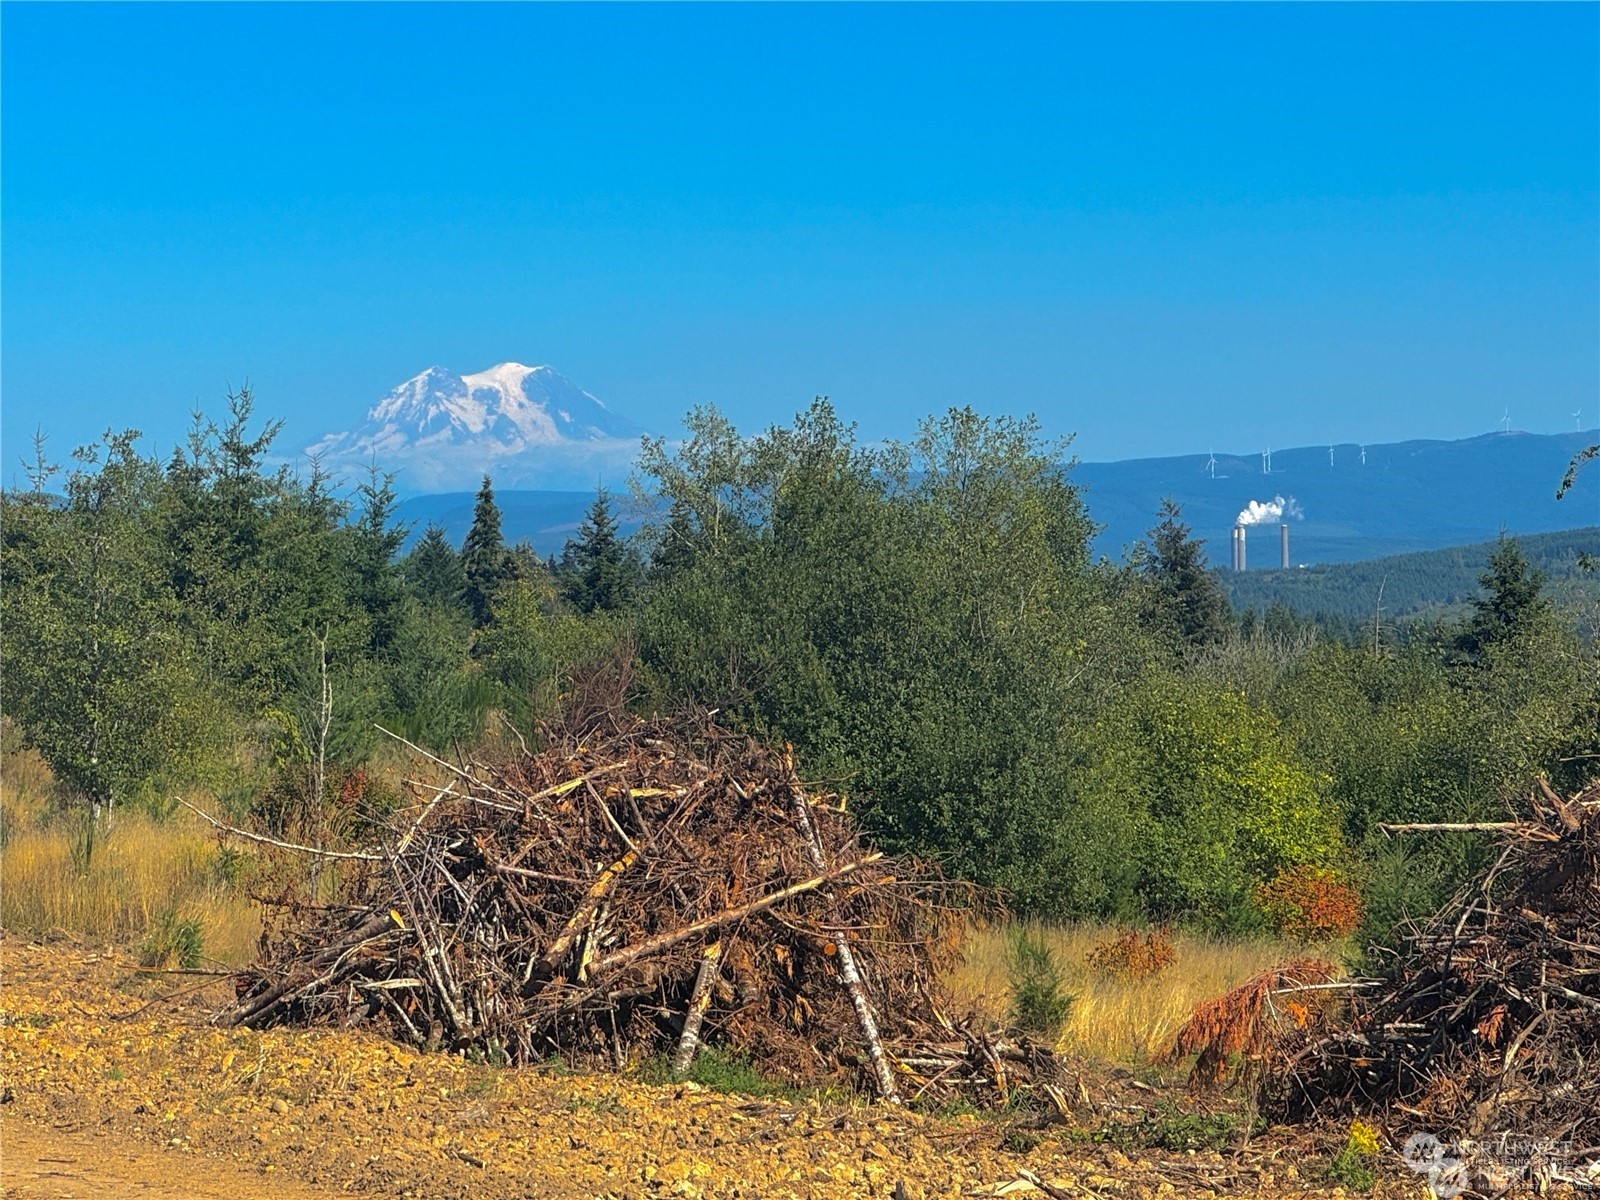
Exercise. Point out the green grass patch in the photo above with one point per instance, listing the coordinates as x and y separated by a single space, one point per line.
719 1071
1168 1127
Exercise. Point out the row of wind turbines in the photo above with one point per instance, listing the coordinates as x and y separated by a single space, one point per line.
1266 461
1266 455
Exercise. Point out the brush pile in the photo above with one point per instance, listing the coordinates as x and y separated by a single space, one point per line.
1488 1023
628 892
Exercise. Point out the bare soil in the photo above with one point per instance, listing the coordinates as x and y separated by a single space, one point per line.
109 1090
37 1163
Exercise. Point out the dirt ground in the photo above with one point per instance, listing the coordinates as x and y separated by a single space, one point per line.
108 1092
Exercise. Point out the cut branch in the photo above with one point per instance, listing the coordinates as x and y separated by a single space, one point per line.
666 941
268 841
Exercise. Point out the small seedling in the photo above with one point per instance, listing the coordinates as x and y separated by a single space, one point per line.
1039 1003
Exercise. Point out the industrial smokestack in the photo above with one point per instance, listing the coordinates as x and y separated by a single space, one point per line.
1233 548
1243 558
1283 541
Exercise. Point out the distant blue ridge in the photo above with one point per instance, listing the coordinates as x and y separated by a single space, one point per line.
1408 497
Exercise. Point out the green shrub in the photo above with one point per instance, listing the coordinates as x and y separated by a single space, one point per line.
172 940
1350 1166
1167 1127
1350 1169
1038 1003
1020 1141
230 867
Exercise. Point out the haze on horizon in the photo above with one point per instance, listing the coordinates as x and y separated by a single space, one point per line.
1165 229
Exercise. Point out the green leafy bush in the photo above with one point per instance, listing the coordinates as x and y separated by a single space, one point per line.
1352 1165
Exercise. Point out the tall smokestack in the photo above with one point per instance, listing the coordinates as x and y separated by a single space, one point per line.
1233 548
1243 558
1283 541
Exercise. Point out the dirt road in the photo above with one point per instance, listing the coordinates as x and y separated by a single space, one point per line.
53 1164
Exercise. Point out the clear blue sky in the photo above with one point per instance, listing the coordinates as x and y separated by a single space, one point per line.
1166 229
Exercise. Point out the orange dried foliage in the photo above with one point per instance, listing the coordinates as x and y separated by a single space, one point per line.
354 786
1239 1023
1310 904
1489 1028
1132 957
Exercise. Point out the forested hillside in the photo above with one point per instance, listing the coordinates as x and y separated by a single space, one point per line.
1427 584
925 622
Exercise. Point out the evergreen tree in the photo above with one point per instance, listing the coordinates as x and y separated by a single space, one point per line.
376 585
256 560
433 571
483 555
1185 596
596 572
1512 603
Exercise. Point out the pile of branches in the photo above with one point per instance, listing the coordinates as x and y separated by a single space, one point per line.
635 889
1488 1022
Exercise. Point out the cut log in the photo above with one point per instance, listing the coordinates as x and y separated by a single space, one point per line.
699 1002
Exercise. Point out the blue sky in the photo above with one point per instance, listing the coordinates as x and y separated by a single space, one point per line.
1166 229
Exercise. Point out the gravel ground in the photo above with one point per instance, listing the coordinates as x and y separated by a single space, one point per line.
119 1085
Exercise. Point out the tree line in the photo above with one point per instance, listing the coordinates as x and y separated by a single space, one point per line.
924 621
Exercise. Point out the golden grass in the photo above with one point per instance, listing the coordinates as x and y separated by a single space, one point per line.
1114 1019
138 871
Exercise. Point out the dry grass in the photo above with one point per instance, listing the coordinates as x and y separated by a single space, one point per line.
1112 1018
135 873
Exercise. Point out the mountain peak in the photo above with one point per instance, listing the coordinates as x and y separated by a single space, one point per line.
511 418
506 374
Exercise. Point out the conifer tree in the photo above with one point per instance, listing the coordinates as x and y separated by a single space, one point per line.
596 571
674 552
523 564
483 555
433 570
375 584
1513 599
1186 595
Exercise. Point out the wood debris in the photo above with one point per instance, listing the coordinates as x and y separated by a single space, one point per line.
635 889
1488 1023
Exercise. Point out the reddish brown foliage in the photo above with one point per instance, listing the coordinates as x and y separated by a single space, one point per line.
1133 957
354 786
1242 1023
1310 904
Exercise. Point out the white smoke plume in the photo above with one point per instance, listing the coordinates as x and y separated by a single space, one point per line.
1270 512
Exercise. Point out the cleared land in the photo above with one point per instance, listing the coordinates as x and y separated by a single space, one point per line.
87 1054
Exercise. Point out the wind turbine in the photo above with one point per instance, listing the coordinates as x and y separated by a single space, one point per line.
1505 421
1330 458
1363 456
1211 465
1577 419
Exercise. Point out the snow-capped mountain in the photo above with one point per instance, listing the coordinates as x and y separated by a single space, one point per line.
526 426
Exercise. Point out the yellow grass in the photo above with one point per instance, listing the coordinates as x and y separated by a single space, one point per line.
1115 1019
139 871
